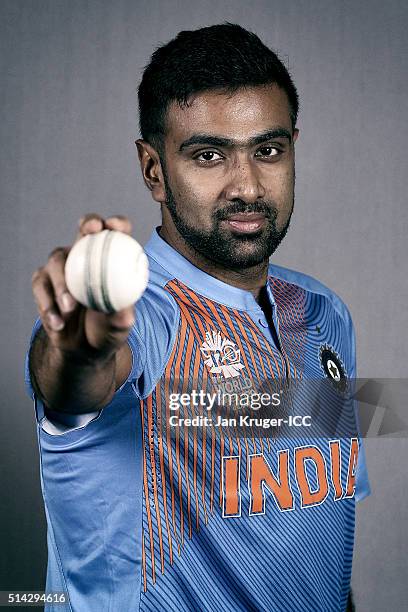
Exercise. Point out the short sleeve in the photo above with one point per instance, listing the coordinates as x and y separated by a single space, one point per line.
136 345
362 489
362 483
150 340
58 423
27 376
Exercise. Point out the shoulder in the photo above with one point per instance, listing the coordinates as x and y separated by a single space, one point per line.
312 286
156 302
153 334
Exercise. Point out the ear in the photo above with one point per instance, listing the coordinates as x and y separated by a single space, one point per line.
295 134
151 170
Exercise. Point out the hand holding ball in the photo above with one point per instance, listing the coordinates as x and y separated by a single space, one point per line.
107 271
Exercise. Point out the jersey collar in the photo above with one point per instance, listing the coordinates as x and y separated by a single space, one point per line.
198 280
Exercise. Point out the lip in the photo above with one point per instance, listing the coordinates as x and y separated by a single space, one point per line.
246 223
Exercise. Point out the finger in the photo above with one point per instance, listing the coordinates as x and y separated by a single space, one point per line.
56 272
119 223
89 224
108 332
123 319
45 300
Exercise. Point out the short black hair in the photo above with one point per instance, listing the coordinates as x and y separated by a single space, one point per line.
224 56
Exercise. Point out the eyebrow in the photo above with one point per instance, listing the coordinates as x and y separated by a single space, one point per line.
219 141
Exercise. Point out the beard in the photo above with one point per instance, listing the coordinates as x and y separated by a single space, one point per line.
221 246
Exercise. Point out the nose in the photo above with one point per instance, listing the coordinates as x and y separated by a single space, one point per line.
244 183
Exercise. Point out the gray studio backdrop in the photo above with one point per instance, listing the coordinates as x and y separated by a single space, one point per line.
69 73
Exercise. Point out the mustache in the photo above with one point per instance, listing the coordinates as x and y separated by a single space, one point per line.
239 206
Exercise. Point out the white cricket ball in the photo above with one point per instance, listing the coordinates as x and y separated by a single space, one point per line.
107 271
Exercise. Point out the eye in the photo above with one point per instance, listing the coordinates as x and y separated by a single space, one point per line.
208 156
268 151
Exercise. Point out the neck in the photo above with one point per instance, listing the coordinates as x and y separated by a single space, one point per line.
251 279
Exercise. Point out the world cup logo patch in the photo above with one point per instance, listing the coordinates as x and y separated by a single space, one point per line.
221 355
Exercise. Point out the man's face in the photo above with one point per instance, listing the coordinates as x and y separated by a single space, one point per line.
229 174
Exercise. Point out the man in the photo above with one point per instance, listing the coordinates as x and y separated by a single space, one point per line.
145 512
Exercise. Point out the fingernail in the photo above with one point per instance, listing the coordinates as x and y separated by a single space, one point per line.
67 302
55 321
95 224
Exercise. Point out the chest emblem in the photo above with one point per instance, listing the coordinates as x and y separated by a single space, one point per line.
221 355
333 367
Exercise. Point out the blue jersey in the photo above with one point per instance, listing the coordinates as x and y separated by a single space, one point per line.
145 516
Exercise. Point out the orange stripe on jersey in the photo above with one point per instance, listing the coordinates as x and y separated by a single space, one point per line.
181 300
195 466
204 455
146 494
162 469
174 361
168 439
212 471
196 299
175 383
312 453
195 444
222 454
248 343
188 352
150 430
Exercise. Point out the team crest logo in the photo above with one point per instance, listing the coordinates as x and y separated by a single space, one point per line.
221 355
333 367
